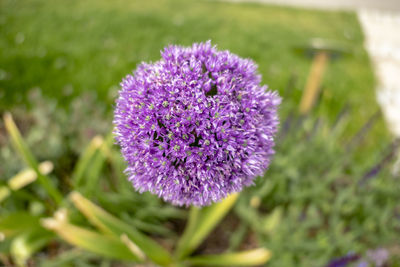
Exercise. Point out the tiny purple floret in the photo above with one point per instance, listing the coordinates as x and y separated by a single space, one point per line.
196 125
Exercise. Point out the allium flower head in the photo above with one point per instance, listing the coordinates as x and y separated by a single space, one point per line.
196 125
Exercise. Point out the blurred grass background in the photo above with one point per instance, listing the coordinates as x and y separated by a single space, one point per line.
328 191
73 46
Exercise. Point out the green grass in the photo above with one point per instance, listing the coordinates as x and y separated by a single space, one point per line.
76 46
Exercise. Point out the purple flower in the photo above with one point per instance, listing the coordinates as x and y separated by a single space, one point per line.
379 256
196 125
344 261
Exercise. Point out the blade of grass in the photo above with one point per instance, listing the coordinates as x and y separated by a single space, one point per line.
201 223
28 176
118 166
84 160
66 258
190 229
23 179
237 236
105 245
112 225
28 157
4 193
165 213
96 165
245 258
148 227
248 214
272 221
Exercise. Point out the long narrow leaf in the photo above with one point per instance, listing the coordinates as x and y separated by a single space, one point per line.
28 176
237 237
96 165
105 245
201 223
67 258
249 215
245 258
28 157
110 224
190 229
148 227
23 178
84 160
4 193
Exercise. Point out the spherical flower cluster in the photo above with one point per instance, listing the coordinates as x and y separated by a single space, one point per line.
196 125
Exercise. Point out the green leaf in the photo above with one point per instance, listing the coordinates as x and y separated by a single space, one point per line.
201 222
96 165
245 258
105 245
110 224
249 214
88 169
272 221
148 227
85 159
28 157
118 165
28 176
237 236
190 230
67 258
23 178
18 222
4 193
26 244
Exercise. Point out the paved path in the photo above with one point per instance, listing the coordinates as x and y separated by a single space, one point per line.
382 34
385 5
